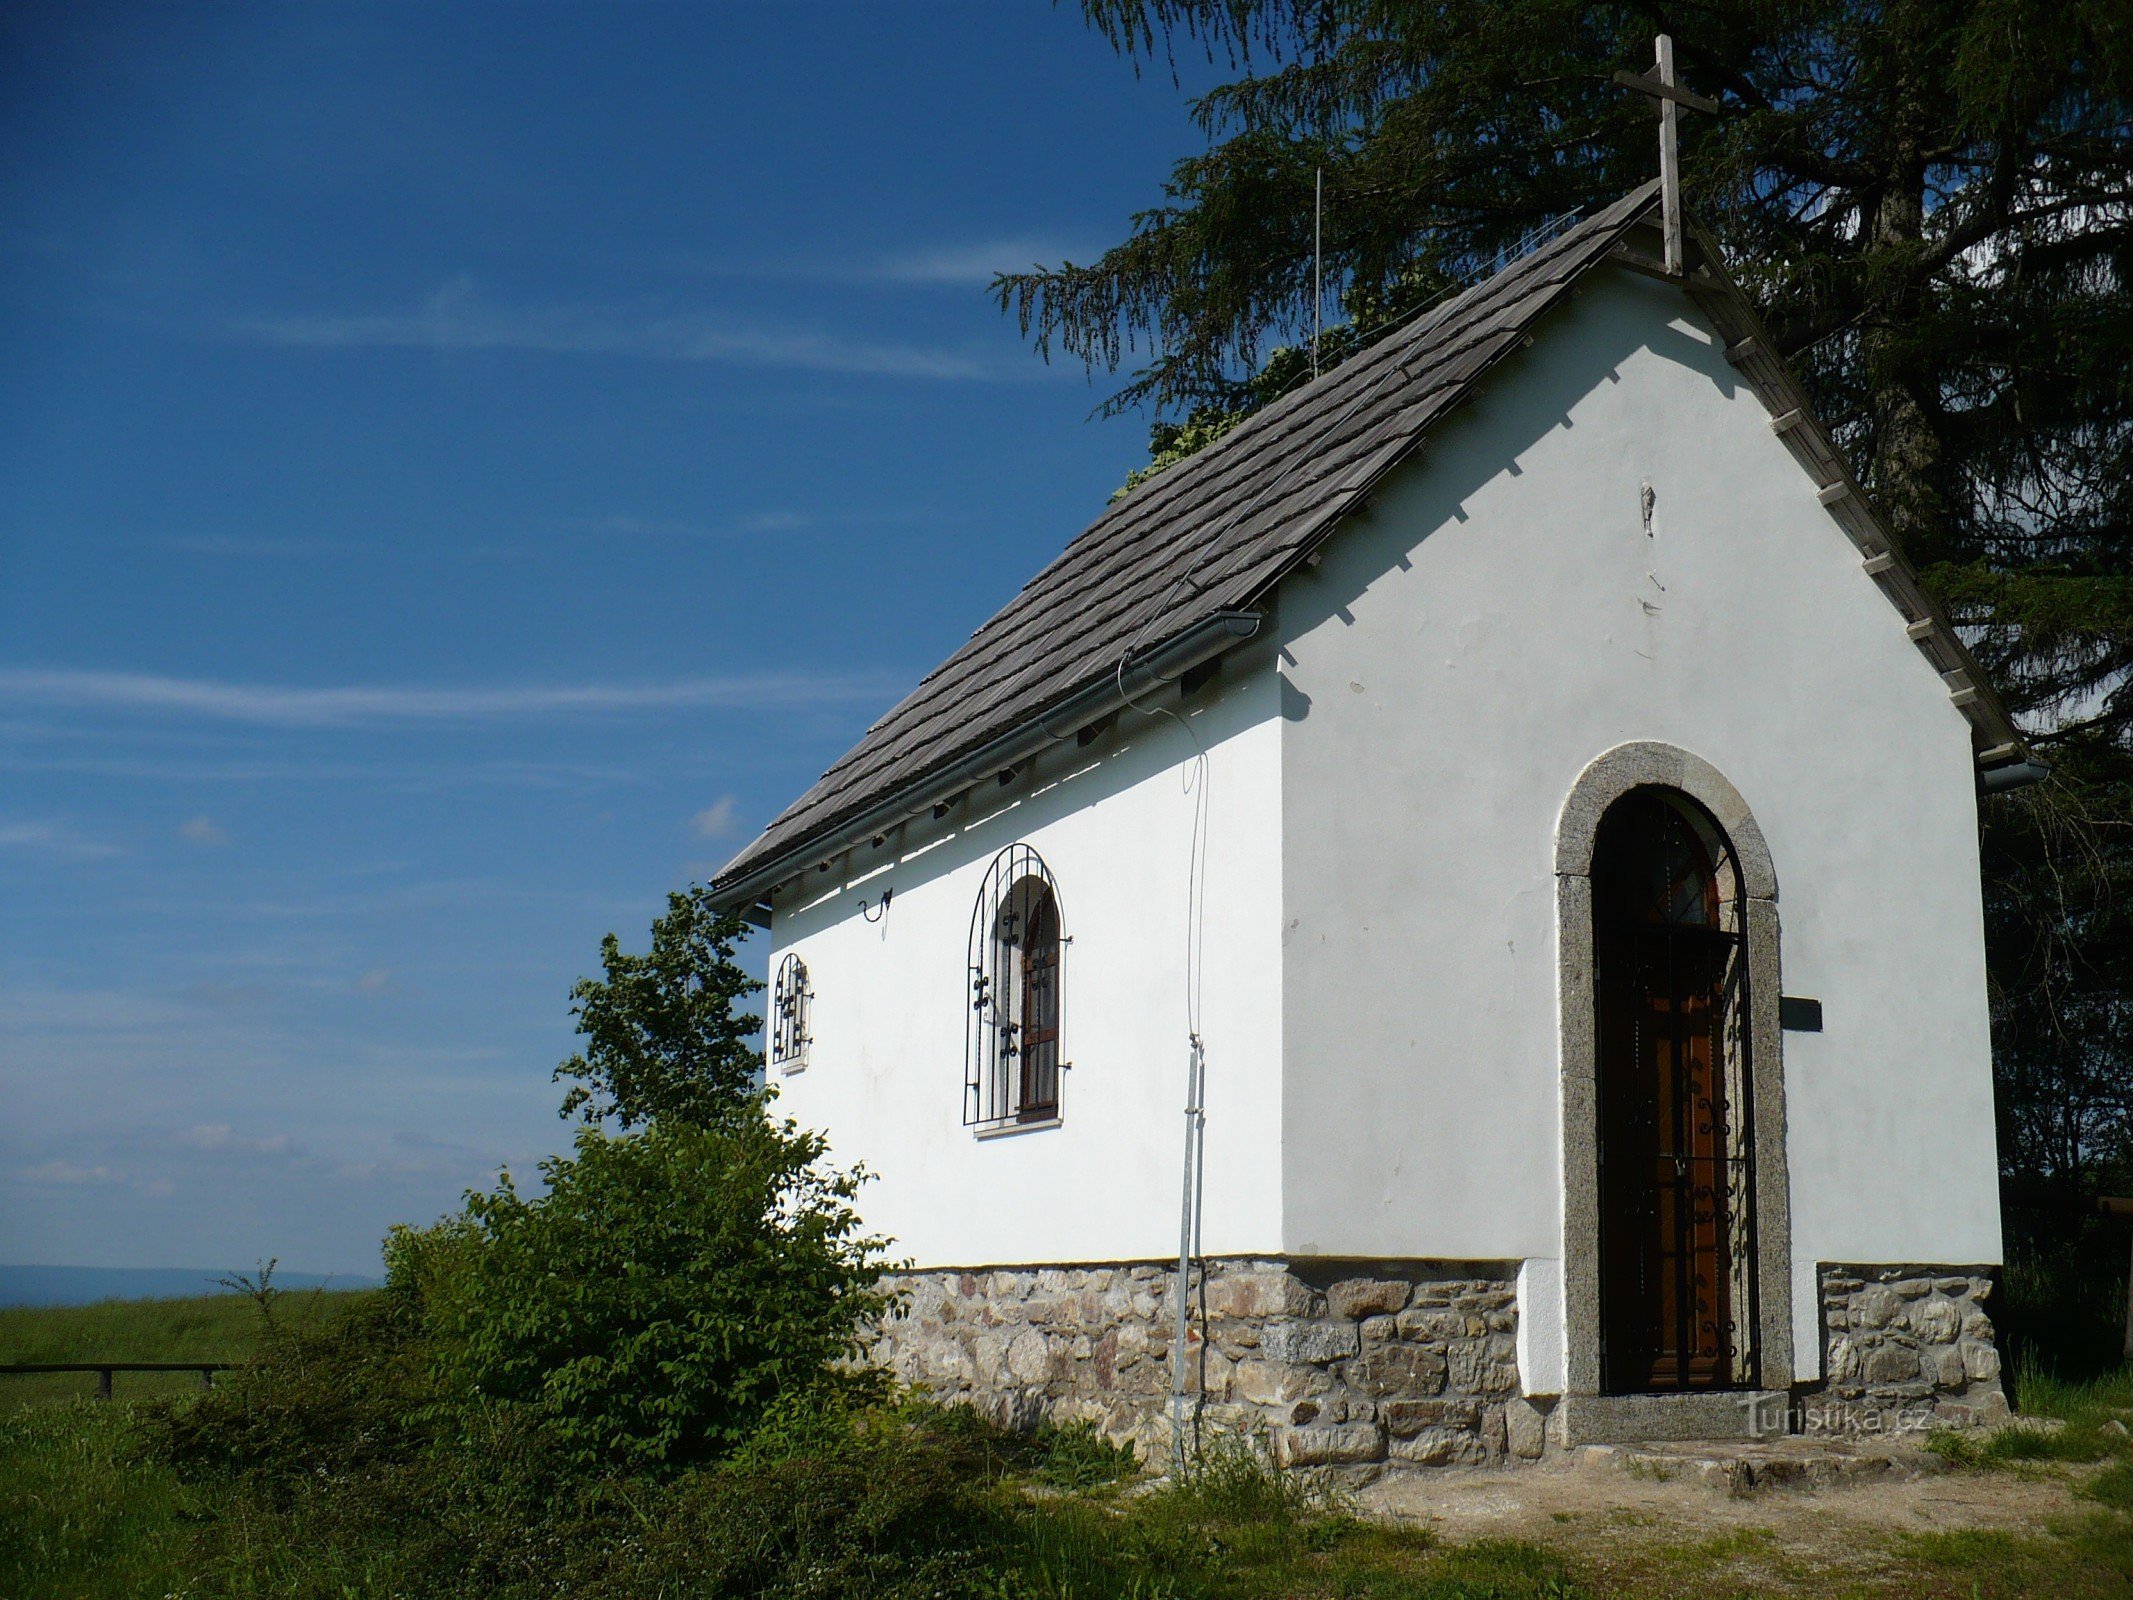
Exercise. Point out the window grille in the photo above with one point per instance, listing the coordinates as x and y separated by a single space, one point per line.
789 1037
1012 1059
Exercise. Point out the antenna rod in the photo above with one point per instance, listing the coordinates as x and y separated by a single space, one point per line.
1318 261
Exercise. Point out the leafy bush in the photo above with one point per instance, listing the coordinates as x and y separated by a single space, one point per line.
666 1290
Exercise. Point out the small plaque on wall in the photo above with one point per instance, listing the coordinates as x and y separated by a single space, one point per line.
1798 1014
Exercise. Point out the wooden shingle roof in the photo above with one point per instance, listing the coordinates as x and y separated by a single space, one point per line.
1213 534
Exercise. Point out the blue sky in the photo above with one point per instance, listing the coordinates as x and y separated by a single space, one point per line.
462 469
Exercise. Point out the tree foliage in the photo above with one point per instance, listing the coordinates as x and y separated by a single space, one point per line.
663 1037
1931 201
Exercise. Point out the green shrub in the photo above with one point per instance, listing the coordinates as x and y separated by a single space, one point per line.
669 1287
827 1503
1232 1477
320 1399
1075 1455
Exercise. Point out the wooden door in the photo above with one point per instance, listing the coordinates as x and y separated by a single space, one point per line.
1672 1160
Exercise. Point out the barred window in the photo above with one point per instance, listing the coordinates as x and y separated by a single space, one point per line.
789 999
1012 1059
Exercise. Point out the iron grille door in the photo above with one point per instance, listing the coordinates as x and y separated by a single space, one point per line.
1676 1165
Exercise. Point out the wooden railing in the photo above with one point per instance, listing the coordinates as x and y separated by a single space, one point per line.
104 1369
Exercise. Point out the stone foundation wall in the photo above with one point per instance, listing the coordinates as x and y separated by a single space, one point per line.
1350 1366
1906 1347
1369 1367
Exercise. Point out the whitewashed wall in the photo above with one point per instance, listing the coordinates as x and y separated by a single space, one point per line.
1114 823
1495 621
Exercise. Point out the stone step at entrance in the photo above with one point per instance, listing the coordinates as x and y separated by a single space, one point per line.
1748 1415
1743 1467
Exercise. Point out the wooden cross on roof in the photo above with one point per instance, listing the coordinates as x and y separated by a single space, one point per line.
1661 85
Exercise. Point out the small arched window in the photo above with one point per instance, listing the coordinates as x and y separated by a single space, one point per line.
789 999
1012 1061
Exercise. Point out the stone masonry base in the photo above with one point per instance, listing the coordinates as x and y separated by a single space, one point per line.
1371 1366
1333 1364
1905 1347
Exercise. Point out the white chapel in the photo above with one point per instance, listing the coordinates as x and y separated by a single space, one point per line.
1480 867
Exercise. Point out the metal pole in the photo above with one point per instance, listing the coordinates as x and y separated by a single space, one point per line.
2129 1309
1178 1332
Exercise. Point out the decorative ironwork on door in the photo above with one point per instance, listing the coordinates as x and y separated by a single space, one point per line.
1677 1175
1011 1059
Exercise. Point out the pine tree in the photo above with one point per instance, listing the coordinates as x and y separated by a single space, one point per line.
1932 202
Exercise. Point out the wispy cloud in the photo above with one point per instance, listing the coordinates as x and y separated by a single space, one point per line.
291 706
202 831
765 523
749 524
967 264
716 820
70 1173
61 1174
457 317
220 1139
59 839
223 544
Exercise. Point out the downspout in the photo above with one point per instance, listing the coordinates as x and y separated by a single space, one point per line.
2011 775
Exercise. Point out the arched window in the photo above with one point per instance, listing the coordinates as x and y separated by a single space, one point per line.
1012 1059
789 997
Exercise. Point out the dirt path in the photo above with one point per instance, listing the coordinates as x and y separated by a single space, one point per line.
1674 1530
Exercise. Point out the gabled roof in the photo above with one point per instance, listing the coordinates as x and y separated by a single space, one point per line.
1210 537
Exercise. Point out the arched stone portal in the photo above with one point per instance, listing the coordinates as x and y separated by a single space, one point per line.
1753 888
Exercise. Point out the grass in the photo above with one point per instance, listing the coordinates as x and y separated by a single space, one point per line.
2085 1412
85 1516
2088 1403
81 1517
2083 1558
216 1327
1220 1539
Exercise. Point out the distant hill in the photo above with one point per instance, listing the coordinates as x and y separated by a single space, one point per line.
81 1286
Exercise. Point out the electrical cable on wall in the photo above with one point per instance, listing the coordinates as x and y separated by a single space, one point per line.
1192 1205
1194 1176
